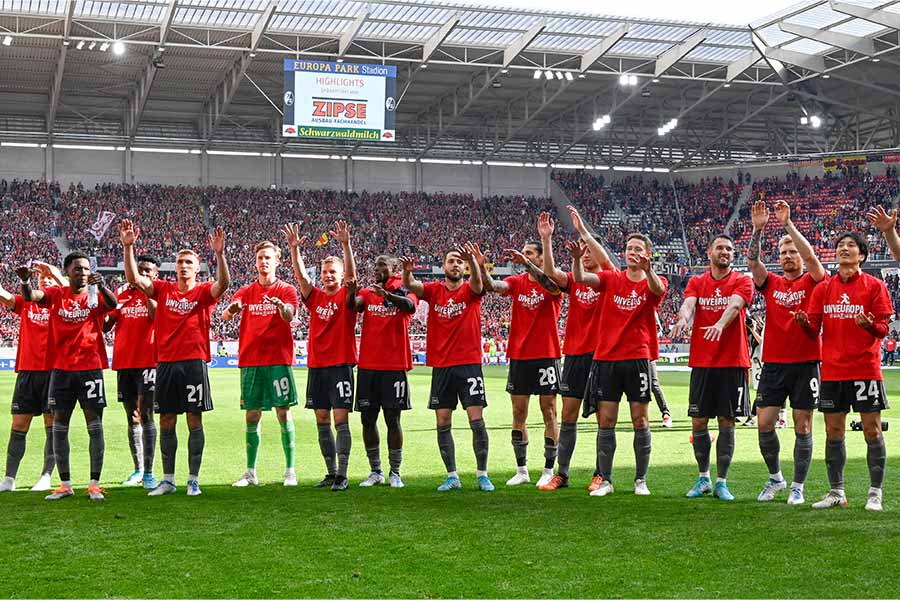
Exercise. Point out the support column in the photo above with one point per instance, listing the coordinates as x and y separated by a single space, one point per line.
128 166
204 169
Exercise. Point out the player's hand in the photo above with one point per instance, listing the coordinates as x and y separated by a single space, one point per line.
128 233
235 307
278 302
644 263
291 233
24 273
576 249
801 318
759 215
865 320
379 290
678 329
341 232
41 269
881 219
95 279
515 256
545 225
713 333
407 263
477 254
577 222
217 241
783 212
464 251
352 286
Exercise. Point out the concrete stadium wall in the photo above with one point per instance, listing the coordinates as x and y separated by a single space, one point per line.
21 163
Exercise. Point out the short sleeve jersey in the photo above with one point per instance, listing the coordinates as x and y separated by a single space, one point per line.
332 329
583 319
34 329
265 338
629 318
454 325
76 331
134 346
533 329
713 296
384 340
785 341
182 321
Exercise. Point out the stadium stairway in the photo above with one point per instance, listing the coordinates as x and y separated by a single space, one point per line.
60 239
561 200
742 200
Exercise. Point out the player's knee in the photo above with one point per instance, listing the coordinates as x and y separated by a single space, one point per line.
195 420
871 430
323 417
640 422
369 419
392 420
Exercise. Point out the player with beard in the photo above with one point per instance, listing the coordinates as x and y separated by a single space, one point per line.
181 326
852 309
332 350
76 329
454 352
384 358
32 378
533 351
582 332
266 357
134 360
790 356
717 301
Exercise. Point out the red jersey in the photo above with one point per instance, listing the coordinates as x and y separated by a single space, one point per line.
890 345
332 329
384 341
76 331
182 321
454 325
583 320
533 329
134 346
34 329
713 295
849 352
784 341
629 318
265 338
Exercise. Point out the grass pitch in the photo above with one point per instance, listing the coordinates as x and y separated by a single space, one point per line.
415 542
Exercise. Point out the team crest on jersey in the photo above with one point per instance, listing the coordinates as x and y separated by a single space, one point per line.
326 312
451 310
630 302
716 302
181 307
844 309
531 300
587 296
789 299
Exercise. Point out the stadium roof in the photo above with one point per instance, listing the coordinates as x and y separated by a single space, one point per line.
208 73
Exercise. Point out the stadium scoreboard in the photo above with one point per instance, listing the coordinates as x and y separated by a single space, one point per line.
332 100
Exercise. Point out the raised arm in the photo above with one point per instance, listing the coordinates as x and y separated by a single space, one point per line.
759 215
400 301
488 283
28 293
291 233
354 301
342 234
409 280
546 226
109 298
577 250
50 271
6 299
886 222
223 276
543 280
467 252
813 265
593 246
685 315
654 283
128 235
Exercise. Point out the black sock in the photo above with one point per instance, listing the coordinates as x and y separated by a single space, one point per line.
149 441
196 443
803 451
15 451
49 458
835 459
550 450
520 448
770 448
724 451
447 448
344 442
168 447
702 448
97 447
642 446
567 436
480 443
606 450
327 446
61 450
876 457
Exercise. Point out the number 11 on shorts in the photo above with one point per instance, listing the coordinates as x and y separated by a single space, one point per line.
400 389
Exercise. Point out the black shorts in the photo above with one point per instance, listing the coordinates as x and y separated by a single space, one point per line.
575 374
457 384
610 379
538 377
867 396
85 388
182 387
30 394
382 389
719 392
797 381
330 387
136 382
